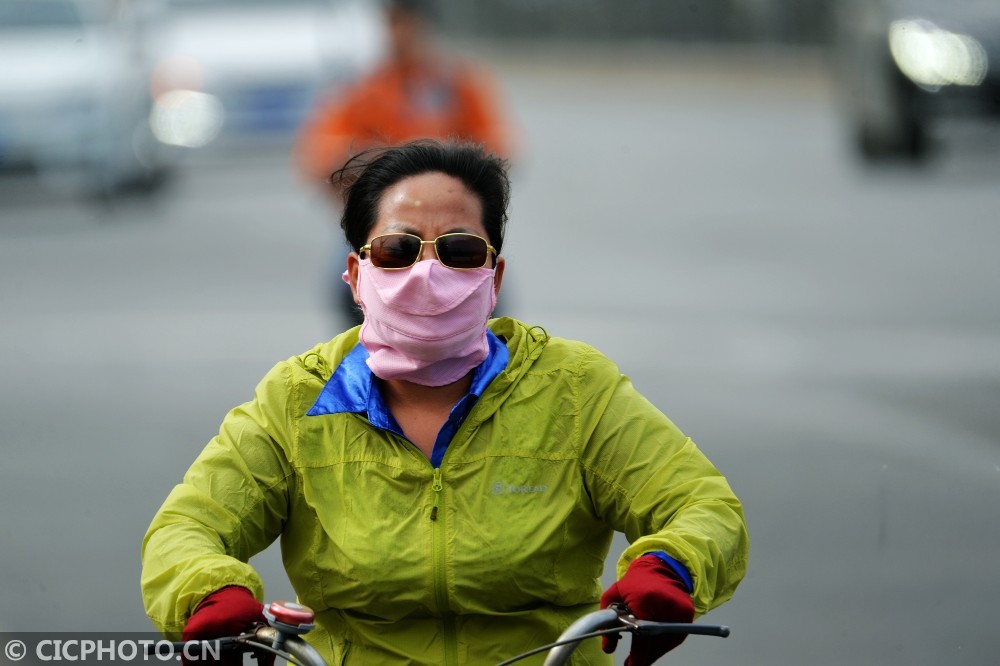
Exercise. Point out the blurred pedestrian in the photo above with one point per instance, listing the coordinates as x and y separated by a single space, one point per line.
417 91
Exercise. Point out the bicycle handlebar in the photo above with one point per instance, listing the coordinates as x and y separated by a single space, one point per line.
302 653
615 619
292 649
283 642
602 619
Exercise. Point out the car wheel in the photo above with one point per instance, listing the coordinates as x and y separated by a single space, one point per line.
895 130
907 140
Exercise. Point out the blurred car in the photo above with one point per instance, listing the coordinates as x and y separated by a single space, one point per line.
907 63
249 71
74 98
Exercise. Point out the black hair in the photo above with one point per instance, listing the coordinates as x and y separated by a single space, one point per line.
366 177
422 8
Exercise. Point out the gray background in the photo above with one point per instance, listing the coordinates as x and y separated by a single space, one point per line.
827 333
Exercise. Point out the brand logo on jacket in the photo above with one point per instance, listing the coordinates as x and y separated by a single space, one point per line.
502 488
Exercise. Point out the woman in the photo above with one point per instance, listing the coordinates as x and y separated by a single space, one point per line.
445 486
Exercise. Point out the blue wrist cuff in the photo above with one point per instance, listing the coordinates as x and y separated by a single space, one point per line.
678 568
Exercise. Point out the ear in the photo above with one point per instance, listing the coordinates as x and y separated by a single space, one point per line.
498 275
353 267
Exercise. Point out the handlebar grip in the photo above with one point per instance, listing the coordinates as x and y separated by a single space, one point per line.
649 628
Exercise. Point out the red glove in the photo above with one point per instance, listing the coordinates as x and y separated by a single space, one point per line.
651 590
226 612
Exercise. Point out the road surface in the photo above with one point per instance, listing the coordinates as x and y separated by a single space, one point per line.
828 334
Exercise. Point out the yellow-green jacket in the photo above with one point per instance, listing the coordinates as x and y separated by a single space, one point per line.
490 554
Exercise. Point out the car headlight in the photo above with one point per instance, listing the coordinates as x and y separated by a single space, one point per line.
932 57
186 118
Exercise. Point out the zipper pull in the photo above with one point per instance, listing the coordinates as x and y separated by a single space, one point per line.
436 486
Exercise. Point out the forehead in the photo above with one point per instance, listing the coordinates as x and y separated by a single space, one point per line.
429 205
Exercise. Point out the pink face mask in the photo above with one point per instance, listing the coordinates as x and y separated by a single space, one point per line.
427 323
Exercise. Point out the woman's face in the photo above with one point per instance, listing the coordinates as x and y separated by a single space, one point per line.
428 205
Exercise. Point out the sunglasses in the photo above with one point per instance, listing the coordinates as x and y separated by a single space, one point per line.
458 250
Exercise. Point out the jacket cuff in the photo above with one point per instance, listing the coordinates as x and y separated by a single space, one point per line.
677 567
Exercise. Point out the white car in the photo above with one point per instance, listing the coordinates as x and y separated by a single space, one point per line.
906 64
74 98
238 71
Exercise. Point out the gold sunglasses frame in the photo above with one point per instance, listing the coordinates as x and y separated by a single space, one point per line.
489 248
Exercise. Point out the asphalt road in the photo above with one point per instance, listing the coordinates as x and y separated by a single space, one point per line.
829 335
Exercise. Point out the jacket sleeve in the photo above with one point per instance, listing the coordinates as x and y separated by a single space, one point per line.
347 122
650 481
482 118
231 505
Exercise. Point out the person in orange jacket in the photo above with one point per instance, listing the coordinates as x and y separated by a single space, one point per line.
417 91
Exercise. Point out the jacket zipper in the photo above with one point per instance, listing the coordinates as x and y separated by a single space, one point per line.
436 486
440 582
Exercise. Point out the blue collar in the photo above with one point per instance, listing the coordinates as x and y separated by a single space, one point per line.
352 389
